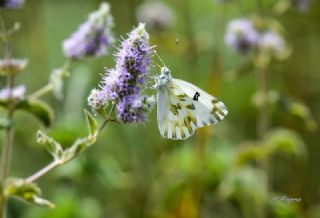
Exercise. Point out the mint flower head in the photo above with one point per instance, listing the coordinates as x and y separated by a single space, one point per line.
272 41
122 84
93 37
11 4
241 35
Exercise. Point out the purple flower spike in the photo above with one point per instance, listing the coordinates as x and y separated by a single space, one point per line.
11 4
241 35
93 36
122 84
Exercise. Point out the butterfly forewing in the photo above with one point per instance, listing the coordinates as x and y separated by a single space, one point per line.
183 107
216 108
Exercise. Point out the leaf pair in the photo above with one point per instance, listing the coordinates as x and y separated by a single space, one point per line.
65 155
27 191
39 109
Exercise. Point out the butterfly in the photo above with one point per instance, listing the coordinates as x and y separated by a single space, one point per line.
183 107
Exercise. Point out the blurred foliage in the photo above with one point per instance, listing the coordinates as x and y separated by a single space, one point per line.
131 171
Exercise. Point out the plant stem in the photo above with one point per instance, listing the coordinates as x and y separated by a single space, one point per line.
43 171
8 133
54 164
263 120
47 88
107 119
262 127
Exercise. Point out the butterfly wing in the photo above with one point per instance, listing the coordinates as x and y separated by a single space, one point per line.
210 110
180 112
172 117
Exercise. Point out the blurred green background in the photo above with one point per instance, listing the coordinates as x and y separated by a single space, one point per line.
132 171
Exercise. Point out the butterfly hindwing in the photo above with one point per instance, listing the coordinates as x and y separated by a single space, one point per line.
183 107
172 117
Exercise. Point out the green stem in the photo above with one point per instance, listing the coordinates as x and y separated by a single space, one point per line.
49 87
8 133
262 127
263 118
107 120
54 164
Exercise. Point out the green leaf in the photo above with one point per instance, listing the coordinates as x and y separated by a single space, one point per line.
26 191
5 103
78 146
52 145
39 109
92 124
41 202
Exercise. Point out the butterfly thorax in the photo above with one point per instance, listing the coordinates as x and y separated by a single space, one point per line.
163 80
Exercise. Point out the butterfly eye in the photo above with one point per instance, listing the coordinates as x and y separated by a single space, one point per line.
165 71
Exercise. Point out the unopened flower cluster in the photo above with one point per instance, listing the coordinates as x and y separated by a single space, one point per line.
93 38
11 4
243 37
122 84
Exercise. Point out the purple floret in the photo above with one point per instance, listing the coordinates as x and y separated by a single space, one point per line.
241 35
93 37
11 4
122 84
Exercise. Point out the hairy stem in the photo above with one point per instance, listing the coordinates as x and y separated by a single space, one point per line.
47 88
8 133
54 164
44 171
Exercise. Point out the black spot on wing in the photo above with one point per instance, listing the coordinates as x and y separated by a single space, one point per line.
196 96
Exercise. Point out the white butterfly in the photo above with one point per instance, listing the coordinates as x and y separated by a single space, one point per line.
183 107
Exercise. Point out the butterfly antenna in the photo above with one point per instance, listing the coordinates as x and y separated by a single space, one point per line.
155 52
158 65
